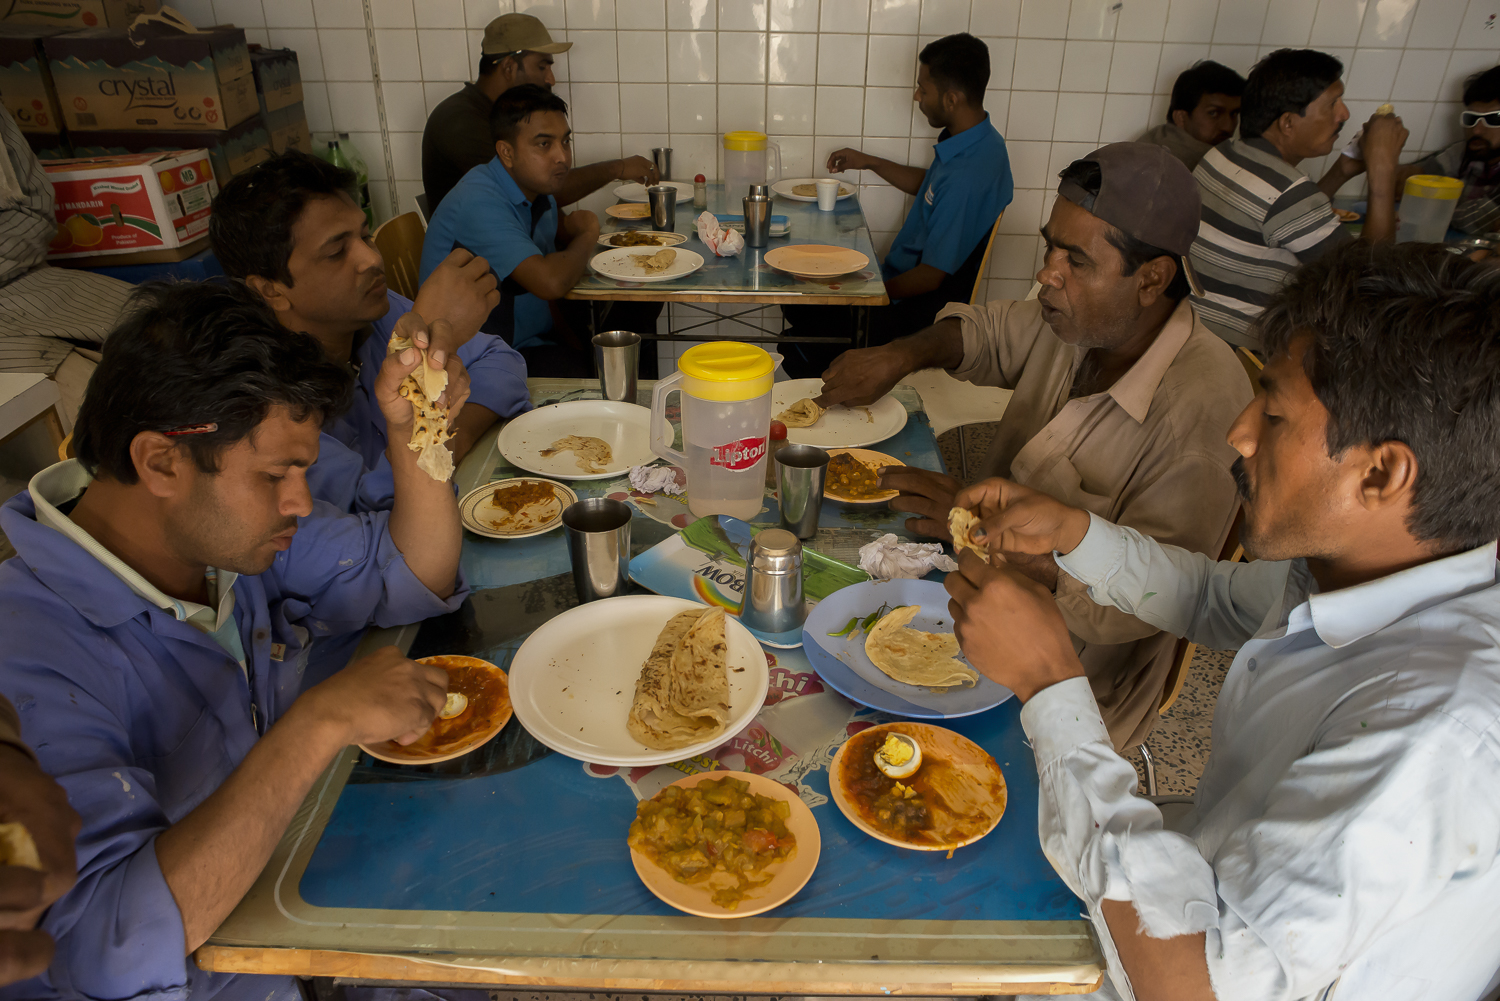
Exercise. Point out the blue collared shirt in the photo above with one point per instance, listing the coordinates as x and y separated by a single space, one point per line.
487 213
140 716
1347 827
352 472
964 192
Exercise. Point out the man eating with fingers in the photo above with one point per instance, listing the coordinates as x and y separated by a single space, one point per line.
1344 839
292 233
1121 398
167 583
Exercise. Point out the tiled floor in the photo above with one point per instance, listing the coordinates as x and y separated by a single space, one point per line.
1180 743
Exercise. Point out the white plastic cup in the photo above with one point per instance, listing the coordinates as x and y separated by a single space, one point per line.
828 193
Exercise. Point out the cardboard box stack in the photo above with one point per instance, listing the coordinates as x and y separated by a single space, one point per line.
26 87
69 15
278 87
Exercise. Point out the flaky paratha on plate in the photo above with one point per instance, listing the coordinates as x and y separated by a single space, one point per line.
682 694
915 657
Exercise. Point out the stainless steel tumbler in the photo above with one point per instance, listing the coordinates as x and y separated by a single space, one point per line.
801 471
663 199
757 220
598 531
662 157
617 356
773 583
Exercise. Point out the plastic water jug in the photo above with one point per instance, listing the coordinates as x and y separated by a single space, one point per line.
1427 204
746 163
725 390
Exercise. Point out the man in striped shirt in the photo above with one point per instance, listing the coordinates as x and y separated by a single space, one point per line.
1262 217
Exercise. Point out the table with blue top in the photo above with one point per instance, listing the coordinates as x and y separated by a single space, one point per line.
509 866
745 279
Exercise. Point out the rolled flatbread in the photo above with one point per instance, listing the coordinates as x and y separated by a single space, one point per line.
653 719
700 684
802 414
17 846
429 421
914 657
961 524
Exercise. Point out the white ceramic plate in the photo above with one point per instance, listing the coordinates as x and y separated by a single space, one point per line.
839 427
784 188
616 263
482 517
573 680
625 426
667 240
634 192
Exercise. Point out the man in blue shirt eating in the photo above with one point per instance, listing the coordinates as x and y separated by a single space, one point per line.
936 255
291 232
505 212
158 614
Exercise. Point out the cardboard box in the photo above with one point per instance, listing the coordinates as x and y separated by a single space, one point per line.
70 14
126 204
231 152
288 129
26 79
278 81
173 81
49 145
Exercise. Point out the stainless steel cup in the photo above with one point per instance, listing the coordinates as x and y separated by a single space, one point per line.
757 221
598 531
662 157
617 355
801 471
759 191
773 583
663 198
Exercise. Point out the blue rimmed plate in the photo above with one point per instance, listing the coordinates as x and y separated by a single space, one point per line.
841 661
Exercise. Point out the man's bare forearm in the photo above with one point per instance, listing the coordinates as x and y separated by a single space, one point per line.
584 181
424 521
908 179
1339 173
1380 207
472 422
1160 969
211 857
939 346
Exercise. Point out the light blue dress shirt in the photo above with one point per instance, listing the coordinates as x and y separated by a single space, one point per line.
1345 833
140 716
489 216
964 192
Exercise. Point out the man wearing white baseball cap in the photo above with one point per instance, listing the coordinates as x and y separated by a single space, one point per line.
517 49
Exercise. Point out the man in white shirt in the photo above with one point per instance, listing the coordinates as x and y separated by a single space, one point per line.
1344 837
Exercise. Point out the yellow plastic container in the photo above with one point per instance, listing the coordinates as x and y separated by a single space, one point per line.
744 142
1427 204
726 371
747 161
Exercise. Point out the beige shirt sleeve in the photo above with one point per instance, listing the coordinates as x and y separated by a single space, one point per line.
10 725
1190 504
998 338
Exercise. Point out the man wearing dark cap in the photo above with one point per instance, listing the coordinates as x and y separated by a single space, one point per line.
516 50
1121 401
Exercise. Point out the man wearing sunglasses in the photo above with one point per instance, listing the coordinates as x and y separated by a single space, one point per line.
1475 159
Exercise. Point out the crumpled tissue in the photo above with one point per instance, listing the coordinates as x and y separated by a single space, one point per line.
722 241
654 479
887 558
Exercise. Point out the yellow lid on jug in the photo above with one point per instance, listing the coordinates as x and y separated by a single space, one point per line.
744 141
726 371
1445 189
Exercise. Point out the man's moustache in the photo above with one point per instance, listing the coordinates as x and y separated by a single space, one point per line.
1241 480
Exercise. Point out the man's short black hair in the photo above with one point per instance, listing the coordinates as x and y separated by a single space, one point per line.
1087 175
518 105
195 353
1286 80
251 225
959 62
1406 347
1483 87
1202 78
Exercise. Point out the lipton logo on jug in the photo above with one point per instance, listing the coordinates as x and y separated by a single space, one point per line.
740 454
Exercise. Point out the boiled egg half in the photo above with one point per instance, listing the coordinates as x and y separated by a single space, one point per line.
455 705
899 757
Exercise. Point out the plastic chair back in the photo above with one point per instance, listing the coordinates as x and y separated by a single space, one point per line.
399 241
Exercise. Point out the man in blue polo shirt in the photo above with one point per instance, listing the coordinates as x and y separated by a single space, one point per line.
935 258
505 212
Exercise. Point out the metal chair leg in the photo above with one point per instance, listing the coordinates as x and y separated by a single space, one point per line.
1150 770
963 452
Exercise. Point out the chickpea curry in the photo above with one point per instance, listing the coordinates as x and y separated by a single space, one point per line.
717 832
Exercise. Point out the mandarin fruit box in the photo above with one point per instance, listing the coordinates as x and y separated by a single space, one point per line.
125 204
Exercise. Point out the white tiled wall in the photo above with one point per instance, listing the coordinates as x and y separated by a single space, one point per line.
1066 75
